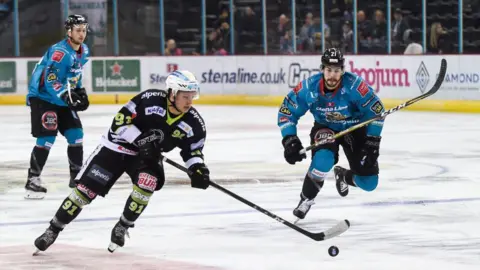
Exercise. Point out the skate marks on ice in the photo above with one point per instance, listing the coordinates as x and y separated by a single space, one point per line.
76 257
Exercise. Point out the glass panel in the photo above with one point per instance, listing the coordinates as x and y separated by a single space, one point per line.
139 26
248 25
6 29
338 20
406 27
279 26
371 27
308 27
40 25
442 26
218 35
99 16
183 26
471 27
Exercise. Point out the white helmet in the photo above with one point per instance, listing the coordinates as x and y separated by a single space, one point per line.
183 80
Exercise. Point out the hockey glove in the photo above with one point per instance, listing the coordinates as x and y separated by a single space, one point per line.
82 102
200 175
148 144
293 145
370 151
79 100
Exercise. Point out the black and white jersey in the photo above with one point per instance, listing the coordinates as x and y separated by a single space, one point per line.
149 111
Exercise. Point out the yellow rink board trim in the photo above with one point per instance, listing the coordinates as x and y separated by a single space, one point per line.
469 106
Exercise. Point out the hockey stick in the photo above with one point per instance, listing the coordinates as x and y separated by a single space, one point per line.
433 90
336 230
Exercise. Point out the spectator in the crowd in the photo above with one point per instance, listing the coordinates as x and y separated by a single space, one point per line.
250 32
347 37
438 39
379 33
306 36
284 34
413 47
364 32
5 8
171 48
399 26
214 43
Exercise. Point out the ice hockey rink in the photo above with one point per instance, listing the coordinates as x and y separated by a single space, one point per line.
425 213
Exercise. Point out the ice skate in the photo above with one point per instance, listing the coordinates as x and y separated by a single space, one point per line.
118 236
34 188
341 184
303 207
46 240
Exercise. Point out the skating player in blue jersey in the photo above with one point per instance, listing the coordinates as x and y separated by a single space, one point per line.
55 95
338 100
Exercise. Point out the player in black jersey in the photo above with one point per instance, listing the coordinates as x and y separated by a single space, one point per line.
152 122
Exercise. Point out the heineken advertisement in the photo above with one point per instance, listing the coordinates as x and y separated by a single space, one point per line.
8 83
116 76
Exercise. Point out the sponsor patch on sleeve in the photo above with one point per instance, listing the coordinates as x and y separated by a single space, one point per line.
298 88
285 110
51 77
377 107
57 56
362 89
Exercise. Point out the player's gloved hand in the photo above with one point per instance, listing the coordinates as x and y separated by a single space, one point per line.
82 101
370 151
292 145
77 102
200 175
148 144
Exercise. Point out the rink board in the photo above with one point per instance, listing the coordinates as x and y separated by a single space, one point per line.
263 80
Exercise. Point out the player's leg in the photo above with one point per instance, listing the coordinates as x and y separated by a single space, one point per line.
146 180
323 159
97 176
71 127
361 174
44 126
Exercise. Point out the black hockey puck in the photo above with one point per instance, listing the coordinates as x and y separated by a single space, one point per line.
333 251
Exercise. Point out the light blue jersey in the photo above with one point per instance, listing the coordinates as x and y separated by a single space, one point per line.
59 65
353 102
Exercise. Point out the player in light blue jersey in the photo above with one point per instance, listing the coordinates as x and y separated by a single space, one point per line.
55 94
338 100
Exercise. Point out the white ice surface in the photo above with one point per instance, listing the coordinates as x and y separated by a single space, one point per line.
425 213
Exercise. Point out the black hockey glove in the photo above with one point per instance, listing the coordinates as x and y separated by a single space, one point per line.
370 151
82 102
293 145
200 175
79 100
148 144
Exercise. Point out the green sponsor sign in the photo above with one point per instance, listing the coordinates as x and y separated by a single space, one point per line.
116 76
30 67
8 81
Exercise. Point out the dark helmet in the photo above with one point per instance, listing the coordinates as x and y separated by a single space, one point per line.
74 20
332 57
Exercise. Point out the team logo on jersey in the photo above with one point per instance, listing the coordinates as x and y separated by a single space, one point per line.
155 110
283 119
334 116
377 107
51 77
285 110
362 89
57 56
324 134
49 120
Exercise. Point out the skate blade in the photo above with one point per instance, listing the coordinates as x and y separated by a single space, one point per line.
36 252
31 195
112 247
296 221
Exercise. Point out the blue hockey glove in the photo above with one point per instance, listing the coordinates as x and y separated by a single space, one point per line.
370 151
292 145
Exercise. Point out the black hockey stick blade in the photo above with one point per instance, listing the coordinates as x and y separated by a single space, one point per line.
433 90
336 230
